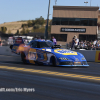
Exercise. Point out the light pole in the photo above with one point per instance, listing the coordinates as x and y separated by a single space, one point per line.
46 28
55 2
86 2
90 2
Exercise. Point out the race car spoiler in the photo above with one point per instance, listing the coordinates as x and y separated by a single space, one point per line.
56 46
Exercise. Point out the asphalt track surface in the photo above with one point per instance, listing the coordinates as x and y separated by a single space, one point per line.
49 83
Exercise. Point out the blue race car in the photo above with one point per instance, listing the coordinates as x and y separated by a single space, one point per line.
46 53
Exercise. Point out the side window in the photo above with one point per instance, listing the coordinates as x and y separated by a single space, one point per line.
38 44
34 44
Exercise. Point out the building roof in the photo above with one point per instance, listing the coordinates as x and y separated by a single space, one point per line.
87 8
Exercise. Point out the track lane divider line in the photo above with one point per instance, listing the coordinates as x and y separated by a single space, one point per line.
19 68
51 73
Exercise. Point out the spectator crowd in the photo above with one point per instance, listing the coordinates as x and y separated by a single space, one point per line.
90 45
87 45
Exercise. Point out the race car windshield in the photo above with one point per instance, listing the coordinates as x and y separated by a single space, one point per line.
45 44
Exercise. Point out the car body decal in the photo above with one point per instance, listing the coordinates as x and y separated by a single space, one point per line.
65 52
32 55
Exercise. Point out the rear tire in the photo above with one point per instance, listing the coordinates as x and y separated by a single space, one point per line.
23 57
53 61
11 46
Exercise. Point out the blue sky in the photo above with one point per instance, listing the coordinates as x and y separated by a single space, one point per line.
16 10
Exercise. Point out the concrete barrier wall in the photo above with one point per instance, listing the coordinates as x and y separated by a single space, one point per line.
7 55
5 58
97 57
5 50
88 54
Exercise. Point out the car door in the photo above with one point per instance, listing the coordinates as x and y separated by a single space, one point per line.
41 54
32 54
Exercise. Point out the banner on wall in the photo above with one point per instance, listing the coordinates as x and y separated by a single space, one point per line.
81 30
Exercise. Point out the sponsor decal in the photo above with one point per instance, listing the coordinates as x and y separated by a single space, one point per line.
32 56
45 56
49 50
65 52
97 57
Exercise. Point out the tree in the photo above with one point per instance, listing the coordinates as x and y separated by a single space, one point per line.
39 21
29 22
17 33
50 22
9 31
27 30
3 29
36 27
23 31
24 25
33 22
32 30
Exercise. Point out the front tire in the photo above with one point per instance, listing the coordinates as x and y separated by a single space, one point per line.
53 61
23 57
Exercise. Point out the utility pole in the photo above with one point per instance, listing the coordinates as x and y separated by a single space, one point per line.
90 2
46 28
55 2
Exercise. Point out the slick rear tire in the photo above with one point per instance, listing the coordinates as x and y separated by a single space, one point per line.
53 60
11 46
23 57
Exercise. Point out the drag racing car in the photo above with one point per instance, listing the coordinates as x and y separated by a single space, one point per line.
46 53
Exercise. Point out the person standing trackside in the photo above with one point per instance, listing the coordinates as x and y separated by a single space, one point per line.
76 42
54 40
73 42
